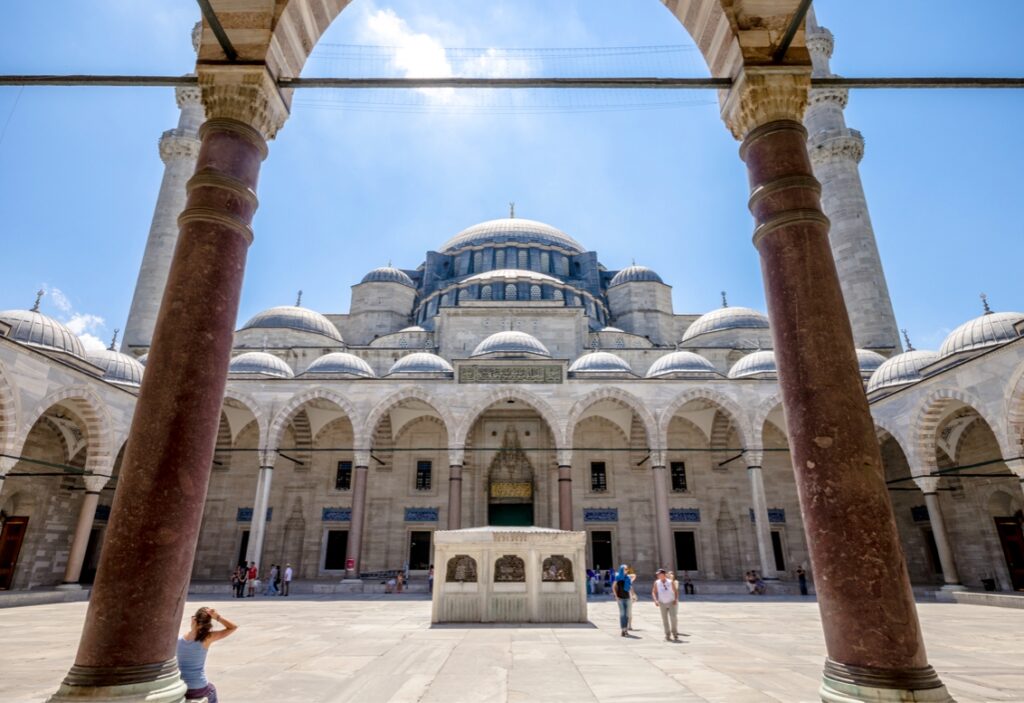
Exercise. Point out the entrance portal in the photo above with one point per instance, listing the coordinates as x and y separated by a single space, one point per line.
419 551
10 546
510 514
601 550
337 546
510 487
1011 536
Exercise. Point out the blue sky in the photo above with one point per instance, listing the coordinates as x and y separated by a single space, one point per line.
345 190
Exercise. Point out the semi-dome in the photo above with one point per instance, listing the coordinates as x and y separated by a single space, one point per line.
682 362
868 361
341 362
294 318
986 331
260 363
901 369
600 362
118 368
519 274
421 362
511 229
511 342
35 329
388 274
635 274
758 364
725 318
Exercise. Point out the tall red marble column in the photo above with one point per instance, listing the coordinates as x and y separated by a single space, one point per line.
127 649
355 530
454 496
565 497
872 635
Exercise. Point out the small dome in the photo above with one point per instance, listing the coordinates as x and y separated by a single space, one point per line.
600 362
388 274
511 342
260 363
725 318
117 367
35 329
503 274
754 365
680 362
294 318
635 274
421 362
986 331
511 229
901 369
868 361
341 362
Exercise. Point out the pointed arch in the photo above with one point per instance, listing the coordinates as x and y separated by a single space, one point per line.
543 408
366 432
623 398
720 401
8 411
1014 412
934 409
297 402
93 413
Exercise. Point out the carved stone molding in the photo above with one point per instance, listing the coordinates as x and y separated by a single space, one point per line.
836 145
177 144
764 94
820 42
188 95
839 96
247 94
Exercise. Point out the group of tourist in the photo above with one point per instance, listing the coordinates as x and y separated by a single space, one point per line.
245 580
664 594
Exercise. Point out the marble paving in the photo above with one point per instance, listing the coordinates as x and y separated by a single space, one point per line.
382 648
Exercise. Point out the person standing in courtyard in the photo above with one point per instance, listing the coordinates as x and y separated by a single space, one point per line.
286 584
666 597
801 576
250 577
688 584
192 649
620 589
271 589
430 579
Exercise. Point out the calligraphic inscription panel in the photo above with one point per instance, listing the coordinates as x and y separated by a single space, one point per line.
510 374
511 489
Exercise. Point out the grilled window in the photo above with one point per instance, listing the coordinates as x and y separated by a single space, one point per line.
598 477
423 471
343 479
678 469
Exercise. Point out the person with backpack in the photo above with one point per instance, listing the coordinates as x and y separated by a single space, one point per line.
621 587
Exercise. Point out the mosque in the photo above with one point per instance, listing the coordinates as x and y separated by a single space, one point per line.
511 378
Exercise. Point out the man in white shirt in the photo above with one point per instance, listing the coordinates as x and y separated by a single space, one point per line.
666 597
286 582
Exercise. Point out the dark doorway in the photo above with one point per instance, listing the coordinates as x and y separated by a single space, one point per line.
686 552
337 547
601 550
11 538
510 514
780 558
92 556
933 552
419 551
1011 536
243 547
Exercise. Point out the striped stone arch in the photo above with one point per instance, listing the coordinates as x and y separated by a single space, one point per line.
1014 414
622 397
93 413
760 416
930 414
250 404
543 408
297 401
8 416
366 431
422 418
722 402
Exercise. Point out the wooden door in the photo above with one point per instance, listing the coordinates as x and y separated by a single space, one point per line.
1011 536
11 537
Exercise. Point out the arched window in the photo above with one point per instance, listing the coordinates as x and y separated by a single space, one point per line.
485 293
535 293
478 261
510 291
524 259
545 262
559 295
499 259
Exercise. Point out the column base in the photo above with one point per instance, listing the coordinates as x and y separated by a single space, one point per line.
852 684
165 687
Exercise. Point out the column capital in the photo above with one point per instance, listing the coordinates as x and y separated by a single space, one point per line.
1016 466
247 94
763 94
564 457
361 458
95 482
456 456
178 144
753 458
928 484
658 458
836 145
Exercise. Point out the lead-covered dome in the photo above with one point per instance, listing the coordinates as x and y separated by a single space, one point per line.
868 361
511 229
635 274
511 343
341 363
901 369
292 317
260 363
731 319
118 368
681 362
759 364
600 362
33 328
421 362
388 274
986 331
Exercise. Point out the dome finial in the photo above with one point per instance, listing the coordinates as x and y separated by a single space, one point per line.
298 300
906 338
113 341
984 302
39 296
511 210
725 302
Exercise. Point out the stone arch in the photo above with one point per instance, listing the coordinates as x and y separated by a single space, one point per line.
366 431
94 415
765 408
250 404
723 403
543 408
622 397
422 418
1014 413
8 411
297 402
1001 503
933 410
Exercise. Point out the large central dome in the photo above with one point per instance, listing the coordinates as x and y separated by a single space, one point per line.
511 229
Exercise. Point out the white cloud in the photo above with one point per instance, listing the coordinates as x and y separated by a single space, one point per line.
86 326
80 323
417 55
59 300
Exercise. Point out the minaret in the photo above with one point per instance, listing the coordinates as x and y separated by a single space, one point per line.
179 149
836 151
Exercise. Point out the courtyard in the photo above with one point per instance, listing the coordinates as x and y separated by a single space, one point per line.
383 648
